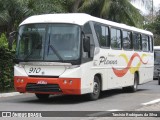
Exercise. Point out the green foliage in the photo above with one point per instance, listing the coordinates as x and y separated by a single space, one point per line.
6 65
6 69
154 27
3 41
45 6
121 11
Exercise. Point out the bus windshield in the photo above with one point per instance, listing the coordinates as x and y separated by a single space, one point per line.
156 57
48 42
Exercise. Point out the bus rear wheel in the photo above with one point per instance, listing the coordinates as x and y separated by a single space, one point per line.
96 89
134 87
42 96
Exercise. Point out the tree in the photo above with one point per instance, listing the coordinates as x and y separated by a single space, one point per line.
12 12
147 4
154 27
46 6
121 11
148 7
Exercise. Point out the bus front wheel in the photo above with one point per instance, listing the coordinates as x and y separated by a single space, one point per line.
96 89
42 96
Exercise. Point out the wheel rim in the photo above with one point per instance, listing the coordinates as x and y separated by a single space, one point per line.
96 88
135 83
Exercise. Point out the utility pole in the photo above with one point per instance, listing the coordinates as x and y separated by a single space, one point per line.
152 11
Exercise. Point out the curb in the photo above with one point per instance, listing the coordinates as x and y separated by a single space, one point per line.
9 94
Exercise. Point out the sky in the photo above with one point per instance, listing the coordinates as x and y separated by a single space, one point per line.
155 2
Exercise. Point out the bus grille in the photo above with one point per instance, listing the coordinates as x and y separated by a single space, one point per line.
31 87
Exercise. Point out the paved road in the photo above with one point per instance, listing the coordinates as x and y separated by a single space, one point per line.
110 100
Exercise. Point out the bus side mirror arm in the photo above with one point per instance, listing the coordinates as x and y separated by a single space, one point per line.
11 39
86 44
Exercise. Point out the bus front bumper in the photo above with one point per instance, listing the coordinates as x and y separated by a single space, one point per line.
68 86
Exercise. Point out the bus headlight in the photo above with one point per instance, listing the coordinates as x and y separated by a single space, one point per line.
65 81
18 80
70 81
22 80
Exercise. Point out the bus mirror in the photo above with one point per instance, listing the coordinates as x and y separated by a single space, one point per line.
86 44
11 39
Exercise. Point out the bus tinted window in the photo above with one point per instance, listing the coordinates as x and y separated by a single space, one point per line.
115 38
145 43
156 57
137 41
127 43
102 35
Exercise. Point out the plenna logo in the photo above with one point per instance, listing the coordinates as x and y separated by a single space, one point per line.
122 72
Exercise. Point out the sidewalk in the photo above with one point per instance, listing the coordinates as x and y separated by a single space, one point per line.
153 107
9 94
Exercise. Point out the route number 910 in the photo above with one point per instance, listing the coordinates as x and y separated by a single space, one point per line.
34 70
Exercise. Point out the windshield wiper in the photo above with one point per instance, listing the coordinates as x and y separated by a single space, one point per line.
55 51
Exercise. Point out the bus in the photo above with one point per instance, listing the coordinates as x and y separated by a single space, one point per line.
76 54
156 62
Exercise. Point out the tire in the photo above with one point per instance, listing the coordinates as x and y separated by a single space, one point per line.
42 96
158 81
96 89
134 87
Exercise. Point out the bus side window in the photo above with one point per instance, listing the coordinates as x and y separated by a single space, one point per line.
88 33
102 33
127 41
136 41
116 38
145 43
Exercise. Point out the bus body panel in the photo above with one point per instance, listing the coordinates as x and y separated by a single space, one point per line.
122 58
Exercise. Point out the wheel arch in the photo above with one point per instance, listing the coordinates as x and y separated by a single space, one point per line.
137 72
99 75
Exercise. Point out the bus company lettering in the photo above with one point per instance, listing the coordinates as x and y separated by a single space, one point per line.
105 61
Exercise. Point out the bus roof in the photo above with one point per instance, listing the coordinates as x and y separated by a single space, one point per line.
156 47
76 18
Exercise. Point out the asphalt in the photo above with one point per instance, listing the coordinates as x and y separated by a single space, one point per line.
152 111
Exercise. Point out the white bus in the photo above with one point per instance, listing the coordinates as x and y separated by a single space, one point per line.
77 54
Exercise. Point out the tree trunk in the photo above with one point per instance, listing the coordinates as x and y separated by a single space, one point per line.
75 6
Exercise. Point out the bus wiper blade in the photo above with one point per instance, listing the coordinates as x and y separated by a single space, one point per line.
55 51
